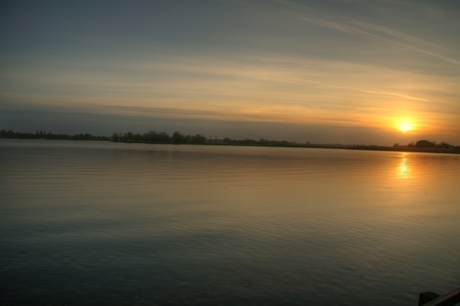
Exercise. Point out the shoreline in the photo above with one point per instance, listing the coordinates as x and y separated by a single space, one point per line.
313 146
287 145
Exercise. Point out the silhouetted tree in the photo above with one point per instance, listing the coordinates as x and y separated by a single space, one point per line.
198 139
177 137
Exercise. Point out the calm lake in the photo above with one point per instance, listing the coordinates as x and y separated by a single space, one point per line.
100 223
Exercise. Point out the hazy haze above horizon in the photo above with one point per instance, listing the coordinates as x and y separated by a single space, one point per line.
319 71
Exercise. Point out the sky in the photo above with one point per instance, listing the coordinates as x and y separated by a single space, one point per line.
323 71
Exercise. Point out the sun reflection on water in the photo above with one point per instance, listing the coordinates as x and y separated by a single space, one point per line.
403 170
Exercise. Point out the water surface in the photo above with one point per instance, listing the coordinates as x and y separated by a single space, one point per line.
91 223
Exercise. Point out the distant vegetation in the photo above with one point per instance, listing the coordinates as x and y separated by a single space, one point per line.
429 144
49 135
179 138
159 137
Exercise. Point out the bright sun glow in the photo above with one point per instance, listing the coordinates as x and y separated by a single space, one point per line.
405 126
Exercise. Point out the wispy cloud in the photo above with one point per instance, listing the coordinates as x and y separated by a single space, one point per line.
224 82
369 31
396 34
394 38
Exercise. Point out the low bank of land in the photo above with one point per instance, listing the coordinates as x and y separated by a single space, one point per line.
178 138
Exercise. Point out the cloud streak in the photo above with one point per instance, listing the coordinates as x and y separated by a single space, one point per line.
396 38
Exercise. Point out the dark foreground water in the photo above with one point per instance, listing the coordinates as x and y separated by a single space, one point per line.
91 223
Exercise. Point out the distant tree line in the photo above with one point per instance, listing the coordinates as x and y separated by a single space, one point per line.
159 137
49 135
429 144
179 138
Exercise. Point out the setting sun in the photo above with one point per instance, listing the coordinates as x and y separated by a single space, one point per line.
405 126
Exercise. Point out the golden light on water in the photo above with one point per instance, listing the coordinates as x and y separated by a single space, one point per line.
403 169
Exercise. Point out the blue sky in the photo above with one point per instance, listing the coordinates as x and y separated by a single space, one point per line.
318 71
